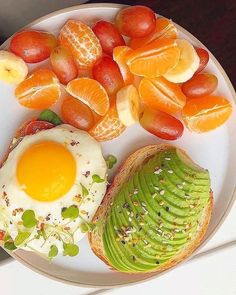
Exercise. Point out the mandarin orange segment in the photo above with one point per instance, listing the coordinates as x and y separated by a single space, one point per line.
164 29
40 90
81 41
120 54
206 113
162 95
154 59
108 127
91 93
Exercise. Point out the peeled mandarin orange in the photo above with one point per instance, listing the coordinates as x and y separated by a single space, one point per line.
154 59
109 126
120 54
81 41
164 29
40 90
206 113
91 93
162 95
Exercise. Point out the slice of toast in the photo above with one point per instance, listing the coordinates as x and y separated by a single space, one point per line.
129 167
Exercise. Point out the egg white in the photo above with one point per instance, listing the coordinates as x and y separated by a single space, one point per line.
89 161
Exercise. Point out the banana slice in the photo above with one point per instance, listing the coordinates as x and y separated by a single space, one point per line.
127 104
13 69
187 65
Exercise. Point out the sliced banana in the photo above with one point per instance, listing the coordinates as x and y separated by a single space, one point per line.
187 65
127 104
13 69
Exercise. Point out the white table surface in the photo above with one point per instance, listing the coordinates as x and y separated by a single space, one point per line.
214 274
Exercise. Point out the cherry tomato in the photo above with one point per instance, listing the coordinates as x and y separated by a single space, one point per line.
204 58
108 36
200 85
107 72
33 46
35 126
161 124
136 21
2 234
77 113
63 64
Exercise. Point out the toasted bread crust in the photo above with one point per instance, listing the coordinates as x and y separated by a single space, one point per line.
127 169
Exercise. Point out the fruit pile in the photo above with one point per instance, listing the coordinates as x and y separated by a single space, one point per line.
154 78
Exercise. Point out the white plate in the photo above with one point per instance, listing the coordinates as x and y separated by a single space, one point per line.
214 150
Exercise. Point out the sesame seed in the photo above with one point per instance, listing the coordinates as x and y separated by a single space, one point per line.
154 195
179 186
156 188
161 203
170 171
176 230
130 219
135 203
162 192
135 191
145 242
157 171
167 158
191 206
183 183
161 225
141 223
159 231
164 242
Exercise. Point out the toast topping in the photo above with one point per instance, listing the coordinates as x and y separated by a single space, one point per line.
147 226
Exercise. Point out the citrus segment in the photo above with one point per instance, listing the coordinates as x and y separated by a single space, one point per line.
81 41
108 127
40 90
206 113
154 59
161 94
91 93
164 29
120 54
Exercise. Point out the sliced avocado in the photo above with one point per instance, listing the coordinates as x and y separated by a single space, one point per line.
156 212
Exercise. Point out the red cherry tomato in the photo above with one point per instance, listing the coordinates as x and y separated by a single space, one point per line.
63 64
2 234
34 126
107 72
204 58
77 113
161 124
136 21
200 85
33 46
108 35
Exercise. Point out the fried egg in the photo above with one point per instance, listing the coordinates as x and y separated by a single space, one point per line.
47 173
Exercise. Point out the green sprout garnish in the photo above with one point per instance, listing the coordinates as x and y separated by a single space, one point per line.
97 179
71 212
70 250
53 252
21 237
85 192
110 161
50 116
28 218
10 246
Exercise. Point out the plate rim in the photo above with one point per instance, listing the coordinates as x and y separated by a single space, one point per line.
231 201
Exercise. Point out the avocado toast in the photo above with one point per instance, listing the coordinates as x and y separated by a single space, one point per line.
155 213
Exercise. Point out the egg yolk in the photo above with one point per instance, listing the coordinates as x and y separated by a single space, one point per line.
46 171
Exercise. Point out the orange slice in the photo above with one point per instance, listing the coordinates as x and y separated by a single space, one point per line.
162 95
91 93
108 127
40 90
154 59
206 113
120 54
81 41
164 29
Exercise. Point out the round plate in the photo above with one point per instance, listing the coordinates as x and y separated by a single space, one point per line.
213 150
